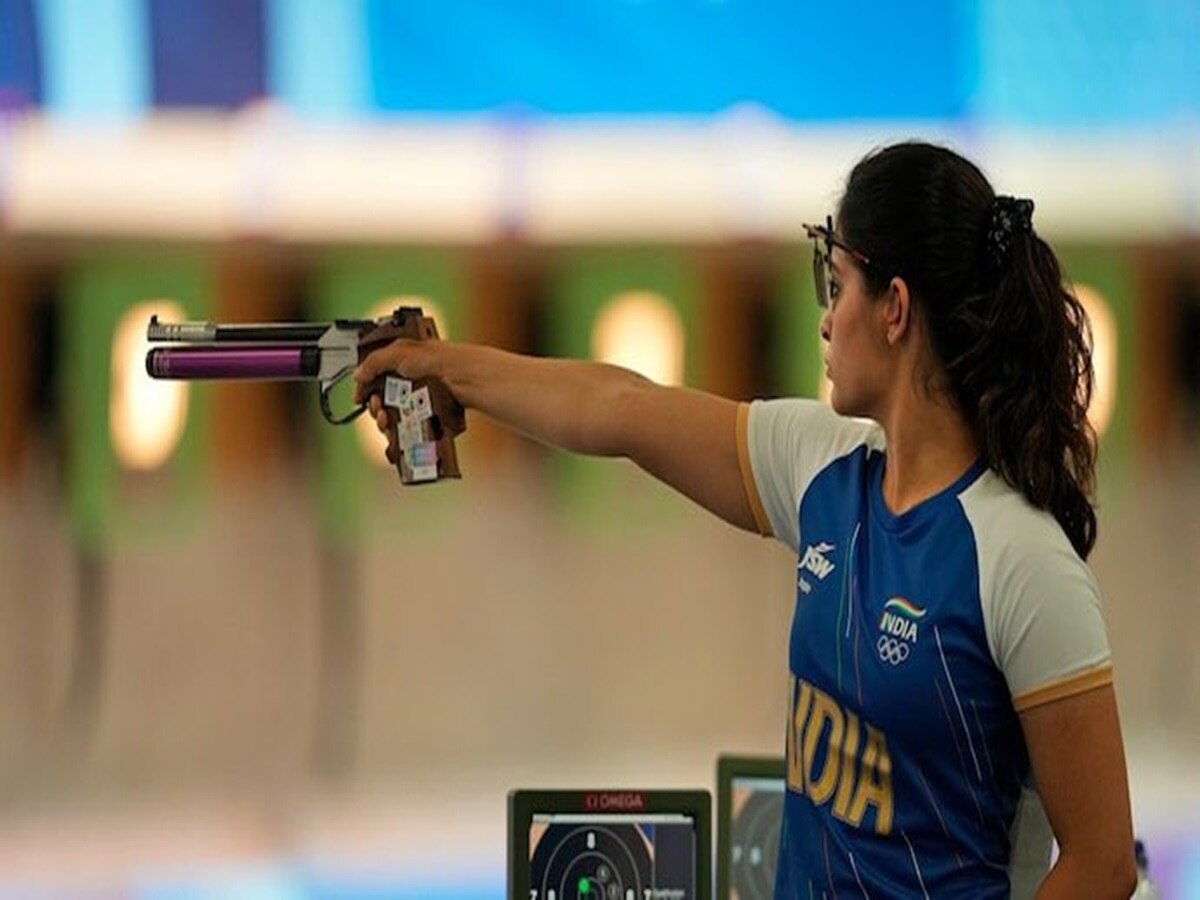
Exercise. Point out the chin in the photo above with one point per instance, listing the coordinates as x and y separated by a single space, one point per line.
844 406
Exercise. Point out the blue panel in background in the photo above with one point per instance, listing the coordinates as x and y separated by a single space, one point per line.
1189 37
95 57
267 880
281 879
873 59
20 67
1068 63
1079 62
317 57
207 53
398 890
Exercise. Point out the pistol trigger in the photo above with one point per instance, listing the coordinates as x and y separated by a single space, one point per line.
327 411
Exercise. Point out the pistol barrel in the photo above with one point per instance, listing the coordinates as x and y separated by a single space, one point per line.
279 363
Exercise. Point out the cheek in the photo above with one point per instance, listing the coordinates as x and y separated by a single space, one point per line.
853 350
842 331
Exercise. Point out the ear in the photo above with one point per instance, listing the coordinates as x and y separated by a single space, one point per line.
898 312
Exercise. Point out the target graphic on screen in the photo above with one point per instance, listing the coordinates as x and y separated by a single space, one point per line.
623 844
754 843
592 862
750 799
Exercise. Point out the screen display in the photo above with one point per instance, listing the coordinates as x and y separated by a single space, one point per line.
750 800
756 806
612 857
610 845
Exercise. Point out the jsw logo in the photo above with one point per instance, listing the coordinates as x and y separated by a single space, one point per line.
814 560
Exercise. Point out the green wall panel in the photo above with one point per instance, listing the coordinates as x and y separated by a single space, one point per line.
599 491
97 291
797 360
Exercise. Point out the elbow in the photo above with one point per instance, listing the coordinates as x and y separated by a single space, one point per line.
1122 876
622 414
1098 875
1126 879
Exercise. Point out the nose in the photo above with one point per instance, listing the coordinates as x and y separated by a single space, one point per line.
826 325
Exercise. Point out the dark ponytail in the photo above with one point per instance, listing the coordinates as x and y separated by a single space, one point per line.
1012 341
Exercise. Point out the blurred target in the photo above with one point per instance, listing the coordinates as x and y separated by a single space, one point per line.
640 330
1104 355
146 417
754 846
750 800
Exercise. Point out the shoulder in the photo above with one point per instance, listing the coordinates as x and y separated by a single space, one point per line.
1040 603
814 423
1013 537
782 446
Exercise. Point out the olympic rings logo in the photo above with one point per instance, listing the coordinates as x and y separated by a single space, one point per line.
892 650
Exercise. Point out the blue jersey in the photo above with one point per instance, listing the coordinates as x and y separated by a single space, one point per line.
916 641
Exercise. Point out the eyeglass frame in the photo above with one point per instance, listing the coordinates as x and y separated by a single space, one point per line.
822 262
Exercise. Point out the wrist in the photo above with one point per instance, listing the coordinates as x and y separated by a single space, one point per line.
448 364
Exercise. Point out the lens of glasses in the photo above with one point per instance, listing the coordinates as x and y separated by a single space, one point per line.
820 279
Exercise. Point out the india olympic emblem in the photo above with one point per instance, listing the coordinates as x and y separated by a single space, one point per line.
892 650
899 629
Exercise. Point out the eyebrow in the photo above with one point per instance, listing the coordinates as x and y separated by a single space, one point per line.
837 270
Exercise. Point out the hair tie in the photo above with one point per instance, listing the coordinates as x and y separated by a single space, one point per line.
1007 218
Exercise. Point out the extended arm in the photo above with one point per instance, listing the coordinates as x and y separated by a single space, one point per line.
1079 765
685 438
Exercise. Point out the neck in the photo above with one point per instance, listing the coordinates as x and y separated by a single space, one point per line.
929 445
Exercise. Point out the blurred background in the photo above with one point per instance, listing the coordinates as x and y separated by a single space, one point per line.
237 659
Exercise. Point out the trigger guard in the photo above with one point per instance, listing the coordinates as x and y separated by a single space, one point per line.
327 412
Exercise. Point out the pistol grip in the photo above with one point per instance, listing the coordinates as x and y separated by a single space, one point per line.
433 444
446 417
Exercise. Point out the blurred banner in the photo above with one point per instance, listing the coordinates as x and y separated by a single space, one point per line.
1006 61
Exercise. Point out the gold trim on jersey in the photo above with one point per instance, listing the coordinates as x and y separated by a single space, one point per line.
1069 686
761 522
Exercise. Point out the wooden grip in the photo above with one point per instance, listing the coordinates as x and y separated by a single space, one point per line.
448 418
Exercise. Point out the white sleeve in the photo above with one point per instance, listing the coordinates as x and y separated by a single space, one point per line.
783 444
1041 606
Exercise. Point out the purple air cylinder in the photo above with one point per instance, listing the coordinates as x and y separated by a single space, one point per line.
190 363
